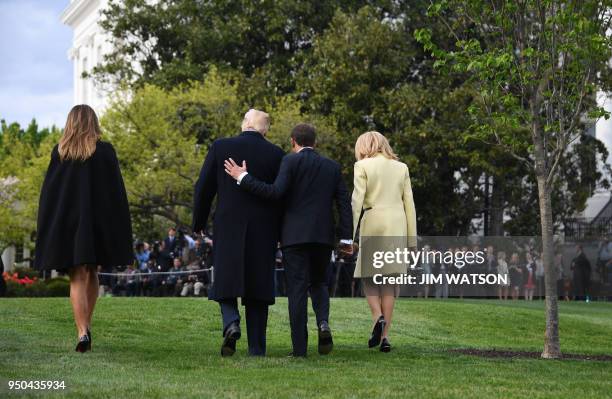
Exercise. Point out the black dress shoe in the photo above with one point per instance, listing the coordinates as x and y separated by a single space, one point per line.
232 334
84 344
377 332
385 345
326 343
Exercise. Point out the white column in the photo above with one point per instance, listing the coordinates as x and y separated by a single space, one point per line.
73 55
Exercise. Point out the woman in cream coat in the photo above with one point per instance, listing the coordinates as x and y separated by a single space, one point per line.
383 192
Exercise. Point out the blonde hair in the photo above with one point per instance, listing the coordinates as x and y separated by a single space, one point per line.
256 120
81 134
369 144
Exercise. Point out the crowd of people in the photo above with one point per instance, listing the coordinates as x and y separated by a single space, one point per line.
578 278
180 265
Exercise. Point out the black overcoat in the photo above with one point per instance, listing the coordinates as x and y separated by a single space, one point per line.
83 214
245 227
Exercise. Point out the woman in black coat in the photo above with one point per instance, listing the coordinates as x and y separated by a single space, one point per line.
83 216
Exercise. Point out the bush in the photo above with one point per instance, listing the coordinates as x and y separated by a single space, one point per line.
58 286
14 289
35 289
25 272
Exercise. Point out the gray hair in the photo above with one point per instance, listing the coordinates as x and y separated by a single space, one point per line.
256 120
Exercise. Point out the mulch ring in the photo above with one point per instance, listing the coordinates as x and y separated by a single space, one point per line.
508 354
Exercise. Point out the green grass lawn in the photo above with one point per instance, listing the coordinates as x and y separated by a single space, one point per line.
169 348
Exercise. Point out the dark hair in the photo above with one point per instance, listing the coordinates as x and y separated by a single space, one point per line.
304 134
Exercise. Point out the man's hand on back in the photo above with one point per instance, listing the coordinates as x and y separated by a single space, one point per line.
233 169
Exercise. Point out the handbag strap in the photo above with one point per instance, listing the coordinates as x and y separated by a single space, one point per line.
363 211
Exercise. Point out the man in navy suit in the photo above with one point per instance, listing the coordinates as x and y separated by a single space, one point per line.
309 185
245 231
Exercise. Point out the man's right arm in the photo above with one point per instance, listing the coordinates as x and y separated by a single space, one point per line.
205 191
272 191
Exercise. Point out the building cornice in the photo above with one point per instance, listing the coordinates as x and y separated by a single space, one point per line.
76 9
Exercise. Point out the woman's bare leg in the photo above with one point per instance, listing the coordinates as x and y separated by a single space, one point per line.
79 298
388 302
93 286
375 306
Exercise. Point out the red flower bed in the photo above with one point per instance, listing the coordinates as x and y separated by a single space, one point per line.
15 277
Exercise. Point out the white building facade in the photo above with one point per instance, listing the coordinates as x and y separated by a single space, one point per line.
89 44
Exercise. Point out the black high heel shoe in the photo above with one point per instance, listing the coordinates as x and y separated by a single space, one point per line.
385 346
377 332
90 340
84 344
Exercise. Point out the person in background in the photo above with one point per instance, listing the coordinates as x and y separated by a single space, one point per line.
383 205
104 281
171 243
150 281
142 255
427 269
502 269
199 250
516 276
491 268
466 269
529 276
164 260
442 290
559 270
199 287
567 288
203 257
188 285
604 260
2 282
83 183
581 268
132 281
173 281
478 268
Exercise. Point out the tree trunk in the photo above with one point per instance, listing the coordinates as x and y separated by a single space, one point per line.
552 347
486 212
496 224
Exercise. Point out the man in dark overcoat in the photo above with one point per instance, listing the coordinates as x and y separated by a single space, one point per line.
245 231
